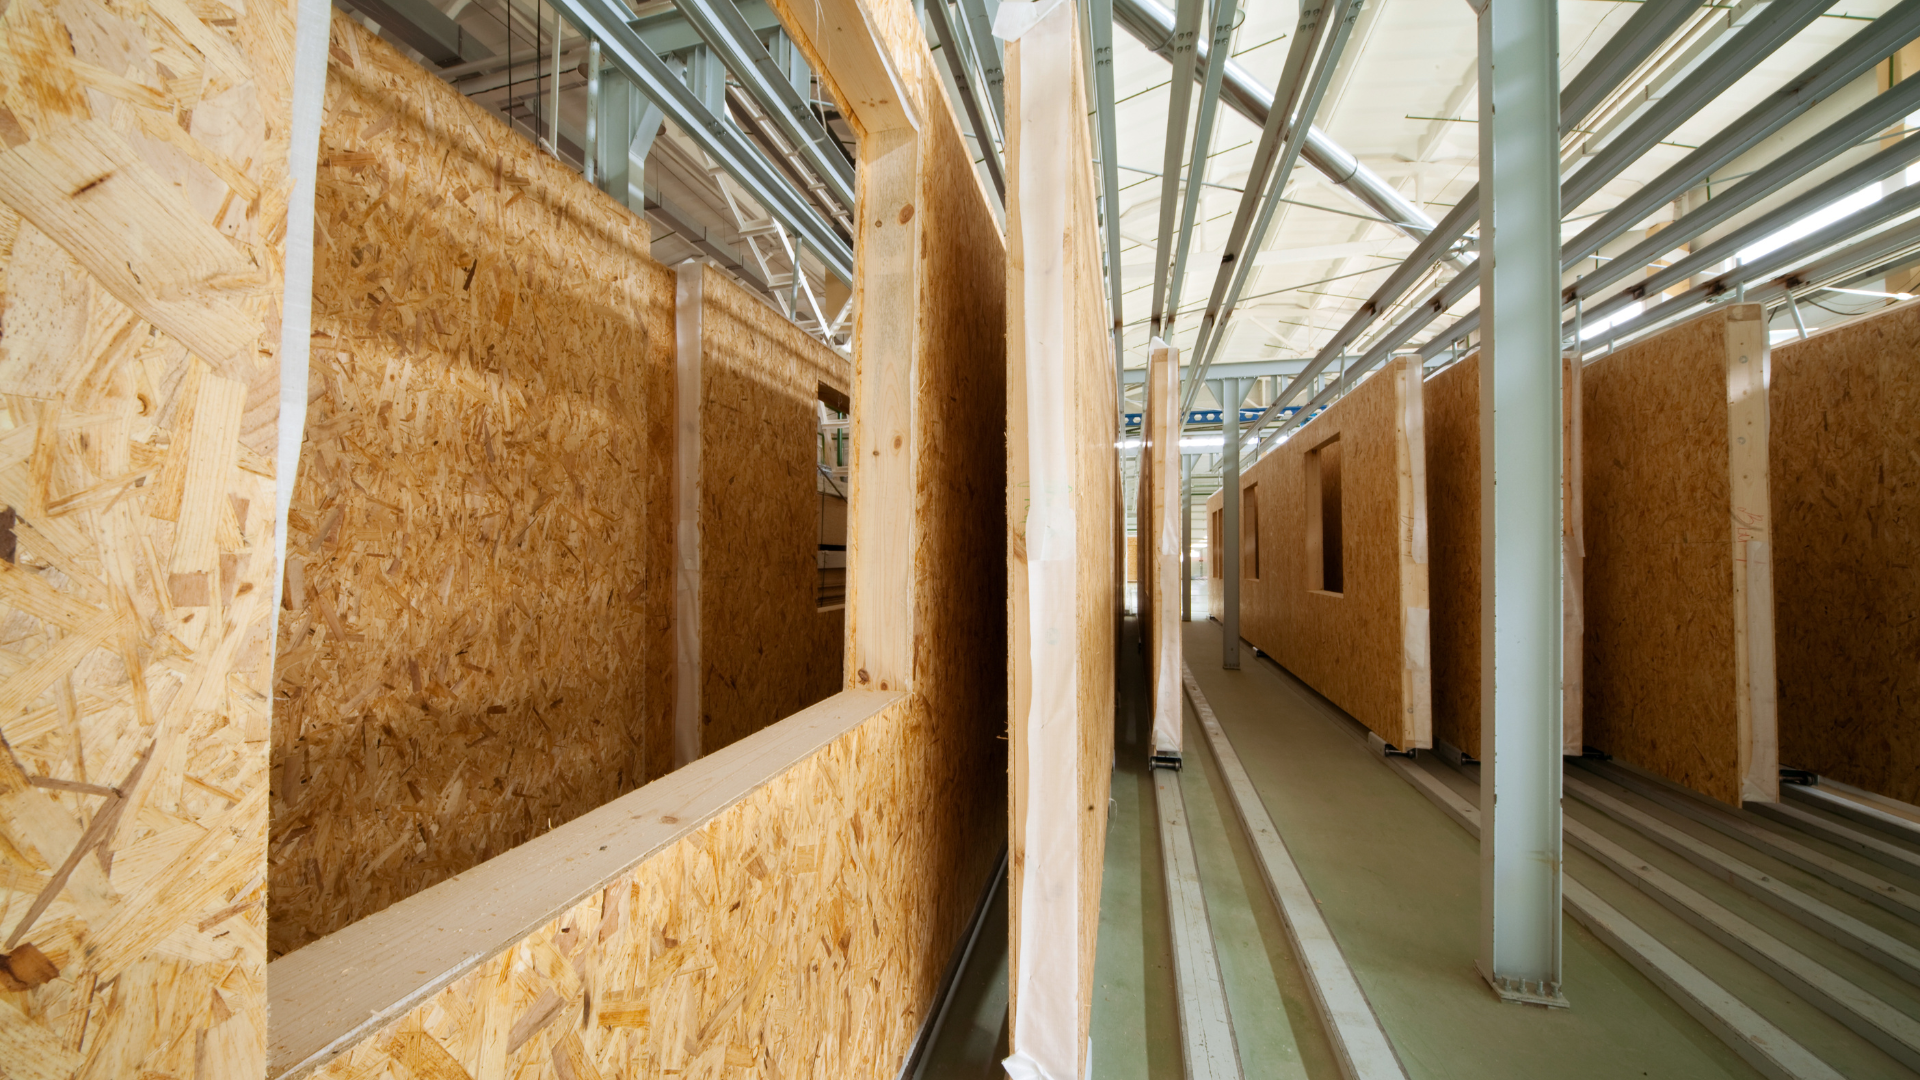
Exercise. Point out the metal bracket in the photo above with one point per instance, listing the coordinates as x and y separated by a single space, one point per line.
1803 777
1164 761
1384 748
1525 992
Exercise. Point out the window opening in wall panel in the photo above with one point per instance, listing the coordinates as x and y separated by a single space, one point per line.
830 593
1250 532
1326 570
1213 562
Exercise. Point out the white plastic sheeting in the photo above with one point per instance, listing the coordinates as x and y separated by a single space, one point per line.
1047 1001
1161 429
312 20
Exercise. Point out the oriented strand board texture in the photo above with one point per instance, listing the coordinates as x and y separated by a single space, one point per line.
799 934
143 194
1365 649
1453 544
1846 526
767 649
1091 412
474 646
1663 680
804 933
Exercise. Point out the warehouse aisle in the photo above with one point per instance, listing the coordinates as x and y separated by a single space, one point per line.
1398 882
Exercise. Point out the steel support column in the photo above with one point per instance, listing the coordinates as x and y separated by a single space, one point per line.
1230 521
1186 533
1520 519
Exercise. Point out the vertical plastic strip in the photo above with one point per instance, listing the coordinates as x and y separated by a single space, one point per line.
1163 394
1046 1021
312 20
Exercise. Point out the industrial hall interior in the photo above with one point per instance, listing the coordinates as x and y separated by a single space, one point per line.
959 539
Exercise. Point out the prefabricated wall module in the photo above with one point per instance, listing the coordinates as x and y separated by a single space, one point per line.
1333 555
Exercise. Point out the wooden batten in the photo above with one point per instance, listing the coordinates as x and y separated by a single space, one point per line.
1062 477
1365 645
144 180
475 641
1678 579
1845 499
1452 397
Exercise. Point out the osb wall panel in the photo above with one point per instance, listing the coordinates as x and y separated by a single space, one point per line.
1366 647
1453 544
804 932
784 938
1846 520
1663 681
143 195
474 642
767 649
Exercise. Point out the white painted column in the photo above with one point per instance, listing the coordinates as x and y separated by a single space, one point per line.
1520 511
1230 524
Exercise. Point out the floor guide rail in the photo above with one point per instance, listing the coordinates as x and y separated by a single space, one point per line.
1206 1022
1360 1044
1738 1025
1755 1039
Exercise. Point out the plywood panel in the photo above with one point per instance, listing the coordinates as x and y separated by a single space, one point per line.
1366 646
816 916
1677 521
1062 480
1846 528
143 201
788 931
767 650
1453 537
474 643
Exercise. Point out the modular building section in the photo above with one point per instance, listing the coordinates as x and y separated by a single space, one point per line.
1333 556
1454 521
787 903
475 643
1679 611
1062 482
1845 442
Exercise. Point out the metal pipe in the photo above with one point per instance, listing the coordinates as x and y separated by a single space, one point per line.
1223 13
553 101
1854 58
1799 323
1152 26
1754 42
1186 29
728 33
591 158
969 101
1783 170
603 20
1237 270
1230 525
1467 210
1646 30
1886 162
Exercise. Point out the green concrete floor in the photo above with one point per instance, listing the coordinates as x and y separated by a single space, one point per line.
1399 883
